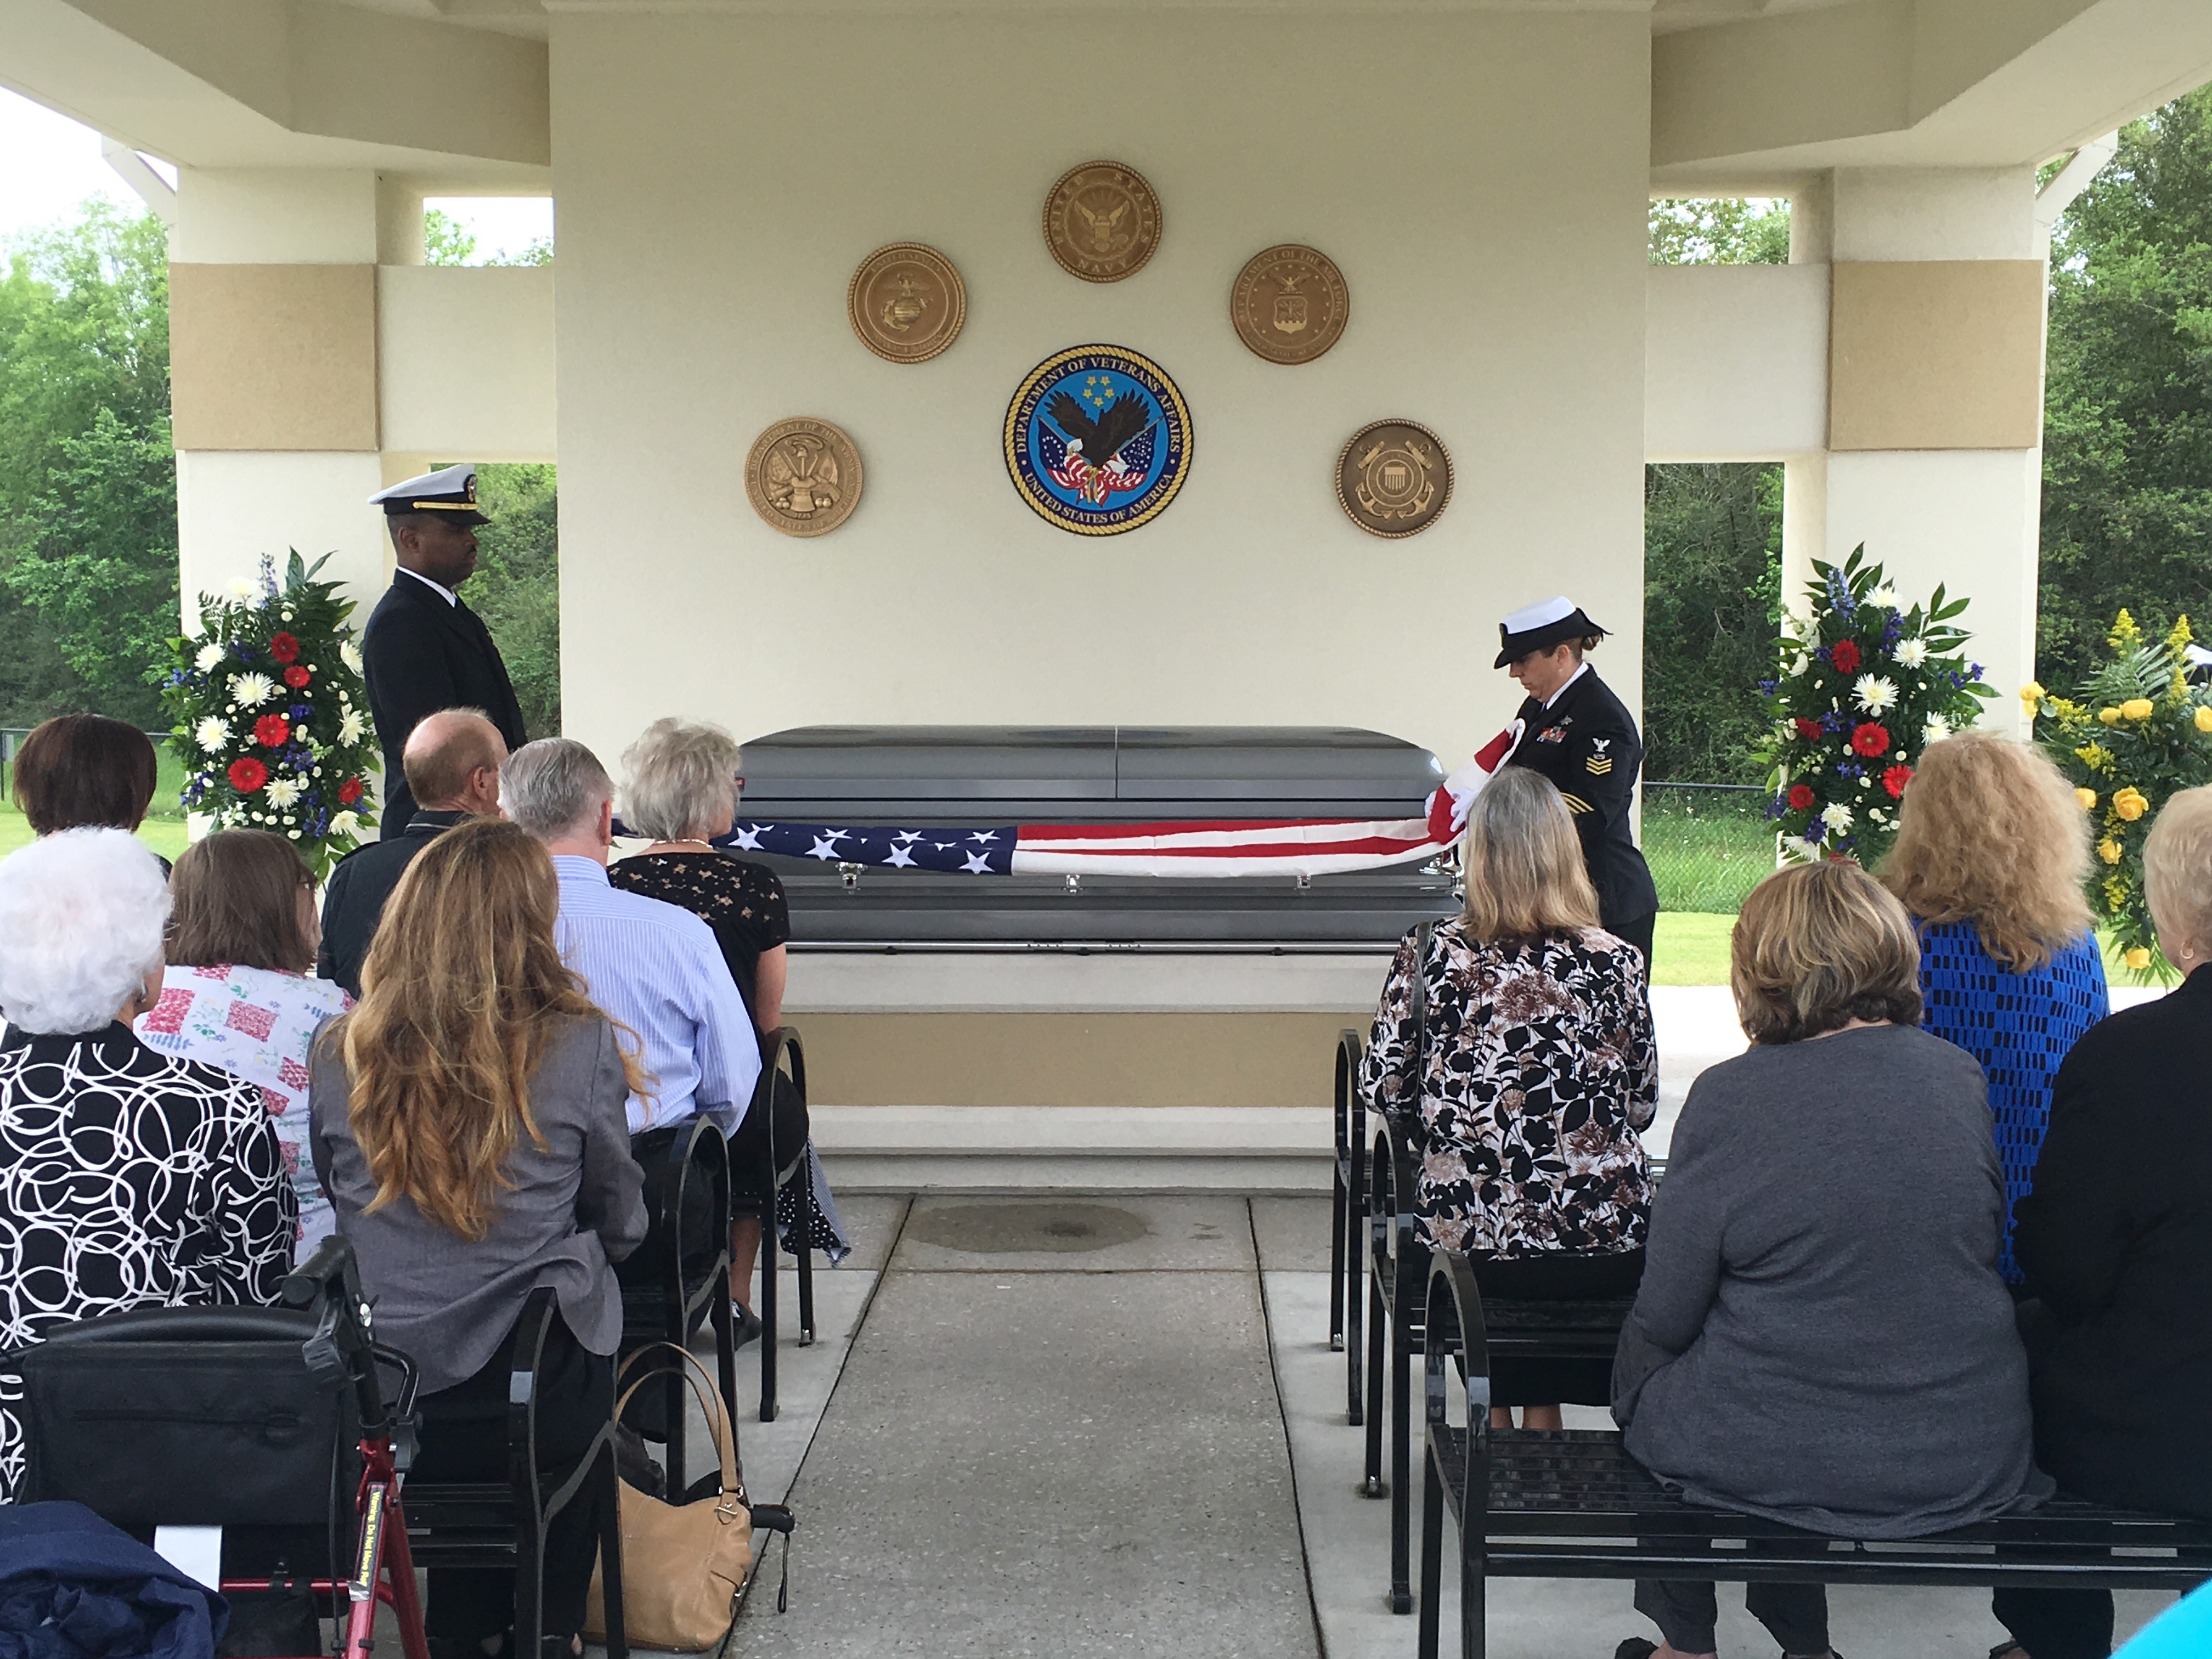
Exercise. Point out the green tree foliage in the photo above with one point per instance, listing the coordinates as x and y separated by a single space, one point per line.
2127 471
1712 602
517 585
1727 230
88 492
447 241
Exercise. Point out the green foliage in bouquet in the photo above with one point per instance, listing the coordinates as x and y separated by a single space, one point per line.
2138 733
271 717
1862 686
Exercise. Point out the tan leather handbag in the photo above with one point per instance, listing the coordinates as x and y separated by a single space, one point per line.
683 1563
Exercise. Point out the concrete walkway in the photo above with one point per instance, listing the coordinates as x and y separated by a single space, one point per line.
1113 1426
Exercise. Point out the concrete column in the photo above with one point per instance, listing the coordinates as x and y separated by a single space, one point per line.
274 354
1935 387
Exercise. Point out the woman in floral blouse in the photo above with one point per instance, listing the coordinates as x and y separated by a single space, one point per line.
1531 1072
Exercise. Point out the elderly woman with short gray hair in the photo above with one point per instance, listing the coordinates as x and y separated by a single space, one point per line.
682 786
173 1168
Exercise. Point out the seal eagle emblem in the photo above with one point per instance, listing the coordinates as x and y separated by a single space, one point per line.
1098 440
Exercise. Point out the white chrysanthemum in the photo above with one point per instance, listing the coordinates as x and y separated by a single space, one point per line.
281 791
1837 817
1874 693
212 734
251 690
1913 653
350 728
1936 731
1803 848
1801 663
350 654
346 823
207 657
240 588
1885 596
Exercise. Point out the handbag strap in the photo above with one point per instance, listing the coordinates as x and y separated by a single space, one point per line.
710 1403
1419 1010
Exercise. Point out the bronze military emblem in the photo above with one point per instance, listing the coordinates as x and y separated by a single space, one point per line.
1393 479
803 477
1102 221
907 302
1290 304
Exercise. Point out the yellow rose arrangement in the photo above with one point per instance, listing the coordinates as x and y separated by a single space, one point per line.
2131 736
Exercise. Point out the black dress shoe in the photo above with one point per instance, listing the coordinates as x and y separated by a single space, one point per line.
744 1324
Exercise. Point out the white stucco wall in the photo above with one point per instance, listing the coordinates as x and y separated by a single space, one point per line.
1735 362
233 505
1480 178
464 361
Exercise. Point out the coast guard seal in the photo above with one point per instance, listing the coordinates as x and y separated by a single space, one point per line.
1098 440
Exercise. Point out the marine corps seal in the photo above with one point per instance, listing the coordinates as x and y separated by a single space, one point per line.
907 302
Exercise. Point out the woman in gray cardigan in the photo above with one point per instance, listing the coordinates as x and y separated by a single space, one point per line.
468 1124
1821 1336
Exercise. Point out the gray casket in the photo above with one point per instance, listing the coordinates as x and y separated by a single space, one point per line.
984 777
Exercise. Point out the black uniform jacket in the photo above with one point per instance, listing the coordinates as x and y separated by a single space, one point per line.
420 654
1587 745
2116 1240
353 904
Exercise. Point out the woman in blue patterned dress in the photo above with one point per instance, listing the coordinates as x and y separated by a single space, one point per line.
1992 847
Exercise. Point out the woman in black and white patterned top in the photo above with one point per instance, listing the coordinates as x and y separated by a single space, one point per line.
126 1177
1537 1070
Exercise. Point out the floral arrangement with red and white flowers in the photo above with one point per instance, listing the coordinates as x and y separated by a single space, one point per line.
272 716
1864 684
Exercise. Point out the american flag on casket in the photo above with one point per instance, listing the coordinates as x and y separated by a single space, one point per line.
1184 848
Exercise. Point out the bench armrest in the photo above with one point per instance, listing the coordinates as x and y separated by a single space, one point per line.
1390 1213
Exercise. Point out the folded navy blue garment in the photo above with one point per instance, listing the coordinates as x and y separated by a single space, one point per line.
73 1587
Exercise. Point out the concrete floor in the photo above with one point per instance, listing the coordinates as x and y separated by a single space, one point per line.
1114 1426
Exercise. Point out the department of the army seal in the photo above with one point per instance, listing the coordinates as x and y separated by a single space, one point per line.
1290 304
1102 221
1393 479
907 302
1098 440
803 477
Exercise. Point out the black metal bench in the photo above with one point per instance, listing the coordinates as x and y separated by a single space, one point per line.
1348 1219
1571 1504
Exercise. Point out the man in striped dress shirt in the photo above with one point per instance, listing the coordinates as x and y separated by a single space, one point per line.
653 967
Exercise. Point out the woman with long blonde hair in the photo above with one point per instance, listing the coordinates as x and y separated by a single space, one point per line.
1528 1072
1992 847
468 1124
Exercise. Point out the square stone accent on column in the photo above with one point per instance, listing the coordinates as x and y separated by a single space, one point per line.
1936 354
273 357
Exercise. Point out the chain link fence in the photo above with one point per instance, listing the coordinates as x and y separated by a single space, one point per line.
1708 844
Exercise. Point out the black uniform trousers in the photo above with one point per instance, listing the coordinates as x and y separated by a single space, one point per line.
464 1439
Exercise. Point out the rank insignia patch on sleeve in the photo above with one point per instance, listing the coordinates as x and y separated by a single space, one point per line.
1599 763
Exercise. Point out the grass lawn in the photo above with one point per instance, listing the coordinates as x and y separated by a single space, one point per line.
1691 948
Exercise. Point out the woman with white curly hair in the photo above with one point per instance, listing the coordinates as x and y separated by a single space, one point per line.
126 1177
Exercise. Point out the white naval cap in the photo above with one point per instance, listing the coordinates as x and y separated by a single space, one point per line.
1540 626
450 490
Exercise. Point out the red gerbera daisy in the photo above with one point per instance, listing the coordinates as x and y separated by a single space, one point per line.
350 791
272 731
1801 797
1895 779
1845 655
1808 730
285 648
297 678
1871 739
247 775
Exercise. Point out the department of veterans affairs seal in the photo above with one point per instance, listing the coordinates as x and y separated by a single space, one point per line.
1098 440
906 302
803 477
1102 221
1393 479
1290 304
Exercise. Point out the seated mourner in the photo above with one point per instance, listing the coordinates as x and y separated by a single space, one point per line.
682 789
2116 1239
1532 1069
469 1124
1821 1336
172 1166
237 995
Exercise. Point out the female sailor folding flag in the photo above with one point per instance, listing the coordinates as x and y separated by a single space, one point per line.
1291 847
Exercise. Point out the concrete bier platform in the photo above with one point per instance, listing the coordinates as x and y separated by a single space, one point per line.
1120 1033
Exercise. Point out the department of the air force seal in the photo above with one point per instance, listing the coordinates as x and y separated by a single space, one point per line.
1098 440
1393 479
803 477
906 302
1102 221
1289 304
